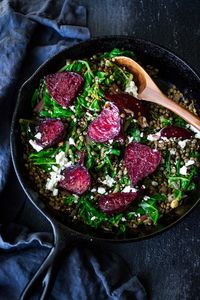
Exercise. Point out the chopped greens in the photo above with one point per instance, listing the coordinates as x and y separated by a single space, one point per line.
51 108
150 206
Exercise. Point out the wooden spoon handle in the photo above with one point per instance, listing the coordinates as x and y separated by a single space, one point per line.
159 98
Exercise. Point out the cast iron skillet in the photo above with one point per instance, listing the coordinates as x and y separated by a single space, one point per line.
172 69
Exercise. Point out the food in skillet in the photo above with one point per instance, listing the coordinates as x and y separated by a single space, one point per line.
102 157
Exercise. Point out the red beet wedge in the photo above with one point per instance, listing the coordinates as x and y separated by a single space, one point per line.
116 202
140 161
63 87
177 132
76 180
50 132
125 101
107 125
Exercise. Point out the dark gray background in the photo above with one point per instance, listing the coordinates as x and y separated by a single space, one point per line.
168 264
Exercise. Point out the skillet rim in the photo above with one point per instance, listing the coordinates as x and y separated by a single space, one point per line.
57 225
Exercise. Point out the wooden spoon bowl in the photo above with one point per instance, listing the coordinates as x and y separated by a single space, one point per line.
149 91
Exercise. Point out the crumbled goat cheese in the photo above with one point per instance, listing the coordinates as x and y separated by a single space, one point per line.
38 135
183 170
52 182
146 198
172 151
182 144
54 168
55 175
72 108
154 183
123 219
101 190
93 190
71 141
55 192
196 131
129 189
189 163
109 181
35 146
60 157
153 137
110 141
130 139
131 88
141 134
93 218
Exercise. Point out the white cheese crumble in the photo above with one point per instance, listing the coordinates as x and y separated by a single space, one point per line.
130 139
189 163
35 146
93 218
183 170
72 108
55 175
101 190
109 181
172 151
93 190
55 192
129 189
131 88
52 182
196 131
182 144
60 158
123 219
71 141
38 135
154 183
146 198
141 134
153 137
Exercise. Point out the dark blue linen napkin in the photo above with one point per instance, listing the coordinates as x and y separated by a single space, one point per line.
30 33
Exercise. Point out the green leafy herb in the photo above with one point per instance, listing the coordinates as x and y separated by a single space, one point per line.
150 206
69 200
179 122
165 122
44 159
117 52
51 108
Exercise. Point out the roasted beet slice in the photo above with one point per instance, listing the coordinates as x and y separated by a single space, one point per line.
126 102
49 132
140 161
177 132
63 87
116 202
76 180
107 125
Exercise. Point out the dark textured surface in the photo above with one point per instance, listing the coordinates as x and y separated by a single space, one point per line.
168 265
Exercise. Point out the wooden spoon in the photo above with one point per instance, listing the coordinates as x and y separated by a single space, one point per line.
149 91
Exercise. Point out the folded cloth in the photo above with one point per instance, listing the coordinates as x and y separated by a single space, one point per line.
31 32
86 273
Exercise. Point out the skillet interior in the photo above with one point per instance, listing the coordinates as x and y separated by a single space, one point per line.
171 69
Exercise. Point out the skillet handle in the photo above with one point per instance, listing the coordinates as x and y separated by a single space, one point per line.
45 276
